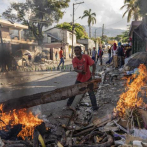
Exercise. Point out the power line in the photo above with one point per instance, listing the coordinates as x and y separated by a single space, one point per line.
77 8
86 5
114 23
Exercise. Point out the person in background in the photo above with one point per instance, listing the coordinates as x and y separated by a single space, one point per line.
115 58
56 55
101 55
61 58
29 58
90 52
81 65
120 53
82 52
109 52
98 55
94 53
128 52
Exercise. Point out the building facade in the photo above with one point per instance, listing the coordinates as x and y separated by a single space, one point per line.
88 43
55 38
138 33
14 43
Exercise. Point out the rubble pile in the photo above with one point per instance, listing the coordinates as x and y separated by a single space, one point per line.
109 127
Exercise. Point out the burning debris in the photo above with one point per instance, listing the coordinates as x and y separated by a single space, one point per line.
21 117
127 123
130 100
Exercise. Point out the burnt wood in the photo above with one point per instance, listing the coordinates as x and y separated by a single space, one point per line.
51 96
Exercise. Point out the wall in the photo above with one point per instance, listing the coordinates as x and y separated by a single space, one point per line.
91 44
88 43
5 32
63 35
56 32
56 47
69 38
83 41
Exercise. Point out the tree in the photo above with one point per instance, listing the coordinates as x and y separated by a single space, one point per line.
132 10
79 30
124 37
98 39
111 38
37 14
105 38
91 19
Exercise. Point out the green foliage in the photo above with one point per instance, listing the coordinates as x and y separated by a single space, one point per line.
111 38
79 30
105 38
124 37
132 9
65 25
36 14
91 17
98 39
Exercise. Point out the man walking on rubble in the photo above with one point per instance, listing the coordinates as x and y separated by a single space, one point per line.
81 65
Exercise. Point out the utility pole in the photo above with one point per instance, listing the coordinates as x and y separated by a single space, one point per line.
95 33
96 46
102 31
1 38
2 50
73 21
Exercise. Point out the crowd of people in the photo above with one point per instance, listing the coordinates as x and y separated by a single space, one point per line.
117 53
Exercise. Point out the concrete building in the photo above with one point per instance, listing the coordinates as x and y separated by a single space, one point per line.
88 43
56 38
9 33
138 33
133 26
14 42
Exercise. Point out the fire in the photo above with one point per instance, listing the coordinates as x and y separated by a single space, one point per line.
130 99
26 119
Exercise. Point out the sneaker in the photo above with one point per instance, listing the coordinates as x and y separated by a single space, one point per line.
89 110
95 112
66 108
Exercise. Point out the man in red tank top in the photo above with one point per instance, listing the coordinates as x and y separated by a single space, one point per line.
81 64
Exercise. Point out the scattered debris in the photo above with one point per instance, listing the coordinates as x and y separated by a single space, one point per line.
123 126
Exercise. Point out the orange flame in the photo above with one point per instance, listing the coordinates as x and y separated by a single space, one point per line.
26 119
130 99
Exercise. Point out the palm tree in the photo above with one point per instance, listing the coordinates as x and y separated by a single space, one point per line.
91 19
127 1
132 10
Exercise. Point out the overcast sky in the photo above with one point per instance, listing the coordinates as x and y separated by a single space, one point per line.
108 12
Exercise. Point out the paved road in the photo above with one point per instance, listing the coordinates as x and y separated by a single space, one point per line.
20 84
15 85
